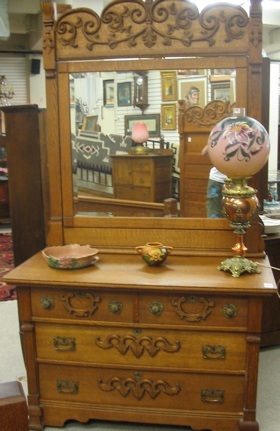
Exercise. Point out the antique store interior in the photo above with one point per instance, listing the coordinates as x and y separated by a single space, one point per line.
70 78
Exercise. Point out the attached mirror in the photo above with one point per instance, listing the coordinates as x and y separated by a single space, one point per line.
103 108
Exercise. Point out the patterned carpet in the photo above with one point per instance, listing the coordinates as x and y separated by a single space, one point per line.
7 293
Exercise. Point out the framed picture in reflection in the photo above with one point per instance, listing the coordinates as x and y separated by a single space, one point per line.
168 86
108 93
168 116
193 90
152 122
124 93
90 123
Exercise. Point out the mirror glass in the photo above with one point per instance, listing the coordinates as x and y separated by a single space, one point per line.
103 108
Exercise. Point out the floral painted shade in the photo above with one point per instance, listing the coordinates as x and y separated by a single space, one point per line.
238 146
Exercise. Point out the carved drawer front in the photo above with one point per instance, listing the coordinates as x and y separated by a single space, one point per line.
99 345
140 388
193 310
82 305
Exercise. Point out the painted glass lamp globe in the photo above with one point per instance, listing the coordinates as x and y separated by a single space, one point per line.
238 146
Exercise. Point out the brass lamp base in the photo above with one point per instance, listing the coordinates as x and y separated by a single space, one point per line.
237 265
240 204
139 150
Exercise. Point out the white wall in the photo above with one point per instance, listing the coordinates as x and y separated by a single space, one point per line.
273 117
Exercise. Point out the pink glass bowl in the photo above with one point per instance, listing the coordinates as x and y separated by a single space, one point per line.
72 256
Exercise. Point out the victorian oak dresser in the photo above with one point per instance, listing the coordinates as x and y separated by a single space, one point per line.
175 345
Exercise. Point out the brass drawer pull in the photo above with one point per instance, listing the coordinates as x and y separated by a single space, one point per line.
212 395
62 344
115 306
213 352
230 311
47 303
67 387
156 308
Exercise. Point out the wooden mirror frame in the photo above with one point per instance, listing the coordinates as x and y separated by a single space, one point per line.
80 40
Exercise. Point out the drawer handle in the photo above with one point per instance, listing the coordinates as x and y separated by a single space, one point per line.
67 387
141 181
200 307
212 395
62 344
115 306
156 308
47 303
80 304
213 352
230 311
139 345
139 387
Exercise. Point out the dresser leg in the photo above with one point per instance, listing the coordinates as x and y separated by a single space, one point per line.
248 426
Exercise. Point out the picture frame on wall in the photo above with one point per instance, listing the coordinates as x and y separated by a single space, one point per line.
221 91
108 93
168 116
193 90
168 86
124 93
152 122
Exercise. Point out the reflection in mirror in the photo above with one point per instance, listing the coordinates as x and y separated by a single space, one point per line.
102 114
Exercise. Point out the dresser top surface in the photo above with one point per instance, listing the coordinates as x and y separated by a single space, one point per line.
128 271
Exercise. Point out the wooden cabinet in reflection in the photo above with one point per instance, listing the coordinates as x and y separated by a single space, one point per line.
146 178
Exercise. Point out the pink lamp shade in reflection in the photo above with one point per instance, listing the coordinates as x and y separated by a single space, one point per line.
139 133
238 146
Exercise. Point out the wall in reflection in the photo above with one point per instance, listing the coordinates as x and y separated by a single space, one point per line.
104 107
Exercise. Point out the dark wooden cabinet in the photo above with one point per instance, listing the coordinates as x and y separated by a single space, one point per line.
25 154
4 190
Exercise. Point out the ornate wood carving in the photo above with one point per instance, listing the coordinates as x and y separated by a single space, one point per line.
200 308
209 116
138 345
139 388
80 304
153 25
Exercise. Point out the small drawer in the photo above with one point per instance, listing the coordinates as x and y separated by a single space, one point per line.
193 310
141 179
90 305
142 388
126 346
141 165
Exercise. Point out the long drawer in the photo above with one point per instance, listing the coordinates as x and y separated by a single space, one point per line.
126 346
141 388
201 311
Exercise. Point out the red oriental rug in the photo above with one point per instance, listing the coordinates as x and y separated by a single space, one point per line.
6 265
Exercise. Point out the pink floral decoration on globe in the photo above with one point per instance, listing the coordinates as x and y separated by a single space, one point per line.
238 146
139 133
